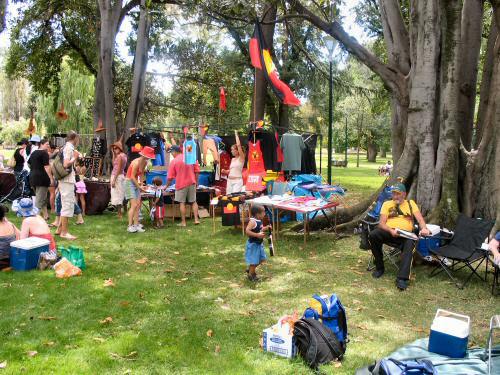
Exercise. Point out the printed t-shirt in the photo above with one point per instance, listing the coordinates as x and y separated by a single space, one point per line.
395 220
255 158
135 143
184 174
190 150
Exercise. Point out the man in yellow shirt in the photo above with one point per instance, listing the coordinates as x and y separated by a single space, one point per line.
395 214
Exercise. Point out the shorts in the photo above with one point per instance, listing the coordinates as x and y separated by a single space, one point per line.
160 212
80 187
68 200
186 195
131 191
41 200
118 192
77 208
254 253
234 186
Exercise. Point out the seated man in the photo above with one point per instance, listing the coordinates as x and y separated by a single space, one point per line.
397 213
494 248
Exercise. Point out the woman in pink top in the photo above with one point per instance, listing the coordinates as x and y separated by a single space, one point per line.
235 172
117 180
33 224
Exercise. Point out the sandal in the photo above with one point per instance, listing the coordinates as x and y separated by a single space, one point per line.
68 237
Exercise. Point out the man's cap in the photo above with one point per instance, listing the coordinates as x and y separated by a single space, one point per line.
174 148
398 188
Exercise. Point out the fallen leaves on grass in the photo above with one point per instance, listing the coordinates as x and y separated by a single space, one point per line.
337 364
47 318
168 270
99 339
312 271
124 303
108 283
217 349
225 307
362 327
49 343
106 320
176 252
8 269
141 261
32 353
210 333
129 357
3 364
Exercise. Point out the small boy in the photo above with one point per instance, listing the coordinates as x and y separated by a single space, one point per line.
254 252
158 204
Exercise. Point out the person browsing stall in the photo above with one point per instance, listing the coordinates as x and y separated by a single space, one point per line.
186 182
133 187
235 172
397 214
117 180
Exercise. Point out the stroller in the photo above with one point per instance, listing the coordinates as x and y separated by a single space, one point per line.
21 190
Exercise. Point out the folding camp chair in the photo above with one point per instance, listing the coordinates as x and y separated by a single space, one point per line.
464 250
391 254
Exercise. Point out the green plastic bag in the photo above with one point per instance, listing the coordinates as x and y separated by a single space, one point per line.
74 254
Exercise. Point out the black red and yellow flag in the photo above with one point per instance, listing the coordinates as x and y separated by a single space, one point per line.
261 59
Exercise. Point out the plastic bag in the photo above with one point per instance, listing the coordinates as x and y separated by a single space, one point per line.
46 260
65 269
74 255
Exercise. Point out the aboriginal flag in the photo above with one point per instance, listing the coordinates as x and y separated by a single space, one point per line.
261 59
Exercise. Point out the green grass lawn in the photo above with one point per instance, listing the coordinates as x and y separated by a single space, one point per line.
174 285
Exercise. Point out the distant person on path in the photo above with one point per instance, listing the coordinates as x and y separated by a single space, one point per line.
8 234
67 184
255 254
117 180
186 181
133 187
398 213
33 224
41 176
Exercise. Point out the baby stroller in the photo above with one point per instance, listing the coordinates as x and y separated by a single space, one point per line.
21 190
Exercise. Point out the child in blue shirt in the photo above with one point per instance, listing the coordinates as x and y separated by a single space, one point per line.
254 251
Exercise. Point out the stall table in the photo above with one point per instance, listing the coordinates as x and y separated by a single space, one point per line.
98 197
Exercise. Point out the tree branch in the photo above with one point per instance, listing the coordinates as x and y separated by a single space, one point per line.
85 59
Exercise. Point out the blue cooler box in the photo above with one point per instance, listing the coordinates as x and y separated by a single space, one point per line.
152 174
449 334
24 254
424 244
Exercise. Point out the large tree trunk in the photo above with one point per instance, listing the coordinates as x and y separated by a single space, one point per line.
140 64
471 30
371 151
260 83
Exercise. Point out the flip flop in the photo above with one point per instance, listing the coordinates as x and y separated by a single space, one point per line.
68 237
83 222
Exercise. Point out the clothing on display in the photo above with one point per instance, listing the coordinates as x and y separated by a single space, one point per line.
155 141
210 146
230 212
224 164
190 148
269 147
135 143
93 166
255 158
293 146
98 148
279 151
58 139
309 154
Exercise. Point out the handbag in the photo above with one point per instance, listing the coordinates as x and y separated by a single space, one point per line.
57 167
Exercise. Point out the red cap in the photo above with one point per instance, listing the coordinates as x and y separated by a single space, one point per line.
148 152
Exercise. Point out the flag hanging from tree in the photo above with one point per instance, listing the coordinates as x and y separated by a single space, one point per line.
260 56
222 99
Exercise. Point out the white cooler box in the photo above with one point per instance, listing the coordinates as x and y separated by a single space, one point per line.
449 334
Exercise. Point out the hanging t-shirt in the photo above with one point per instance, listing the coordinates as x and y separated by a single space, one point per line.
136 142
230 212
190 154
279 151
269 146
292 145
98 148
255 158
155 142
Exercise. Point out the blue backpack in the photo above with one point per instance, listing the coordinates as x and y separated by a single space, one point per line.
391 366
331 313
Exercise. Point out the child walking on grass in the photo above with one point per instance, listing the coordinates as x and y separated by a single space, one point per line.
254 252
158 204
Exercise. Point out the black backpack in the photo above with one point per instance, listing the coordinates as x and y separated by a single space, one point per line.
316 343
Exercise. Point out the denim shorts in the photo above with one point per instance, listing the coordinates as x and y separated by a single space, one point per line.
254 253
131 191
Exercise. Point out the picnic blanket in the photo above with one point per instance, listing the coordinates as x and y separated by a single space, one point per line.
474 363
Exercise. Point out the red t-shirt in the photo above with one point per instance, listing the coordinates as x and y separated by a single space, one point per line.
184 174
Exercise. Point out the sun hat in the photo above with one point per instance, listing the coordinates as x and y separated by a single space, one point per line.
35 138
174 148
398 188
118 145
148 152
25 208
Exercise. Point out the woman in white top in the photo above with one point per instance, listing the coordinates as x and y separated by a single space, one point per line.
235 177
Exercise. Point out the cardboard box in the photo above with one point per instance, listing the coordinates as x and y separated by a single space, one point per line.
175 210
278 340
